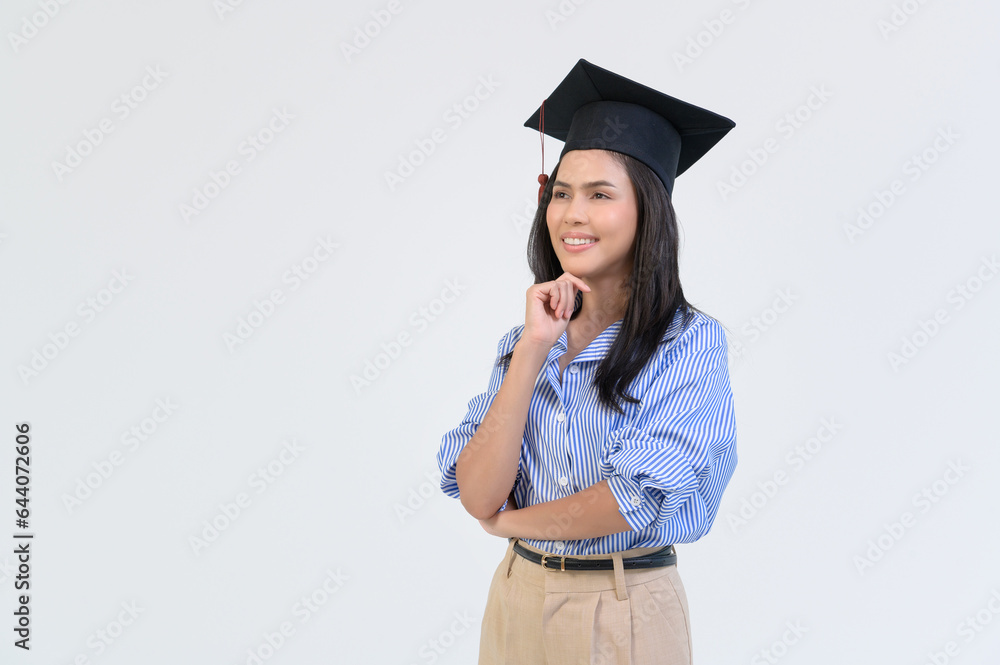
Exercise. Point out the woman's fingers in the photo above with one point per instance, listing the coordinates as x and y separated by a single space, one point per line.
550 304
569 298
579 283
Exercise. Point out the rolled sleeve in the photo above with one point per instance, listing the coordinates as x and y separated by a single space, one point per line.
454 441
675 457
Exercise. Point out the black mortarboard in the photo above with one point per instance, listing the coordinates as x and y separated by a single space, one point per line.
595 108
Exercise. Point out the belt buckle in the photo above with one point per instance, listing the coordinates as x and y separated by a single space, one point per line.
562 563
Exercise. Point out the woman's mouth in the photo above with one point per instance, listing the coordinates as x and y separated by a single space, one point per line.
578 244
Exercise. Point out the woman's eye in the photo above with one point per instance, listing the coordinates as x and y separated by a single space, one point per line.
601 194
558 195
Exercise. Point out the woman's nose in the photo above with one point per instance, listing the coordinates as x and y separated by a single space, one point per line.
576 210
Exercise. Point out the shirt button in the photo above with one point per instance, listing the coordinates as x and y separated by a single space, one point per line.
560 416
636 501
564 481
560 545
573 369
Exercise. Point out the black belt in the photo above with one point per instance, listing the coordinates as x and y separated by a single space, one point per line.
663 557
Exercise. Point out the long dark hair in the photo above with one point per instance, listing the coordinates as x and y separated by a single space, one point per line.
654 286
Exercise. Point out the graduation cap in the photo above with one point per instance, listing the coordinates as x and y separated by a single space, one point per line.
595 108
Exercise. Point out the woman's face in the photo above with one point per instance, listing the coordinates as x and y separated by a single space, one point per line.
593 203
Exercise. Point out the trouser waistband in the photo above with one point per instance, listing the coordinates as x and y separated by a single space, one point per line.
554 571
662 557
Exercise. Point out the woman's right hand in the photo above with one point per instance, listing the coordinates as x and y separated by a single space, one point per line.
549 307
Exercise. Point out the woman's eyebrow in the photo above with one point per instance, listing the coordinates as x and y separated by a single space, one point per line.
586 185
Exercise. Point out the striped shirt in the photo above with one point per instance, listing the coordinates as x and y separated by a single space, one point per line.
667 459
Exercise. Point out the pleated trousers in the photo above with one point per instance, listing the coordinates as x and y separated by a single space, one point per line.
539 616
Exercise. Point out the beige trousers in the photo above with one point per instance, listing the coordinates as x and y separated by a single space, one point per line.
537 616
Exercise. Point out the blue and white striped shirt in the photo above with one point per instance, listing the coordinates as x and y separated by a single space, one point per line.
667 460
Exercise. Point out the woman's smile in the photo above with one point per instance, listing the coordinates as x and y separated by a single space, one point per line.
578 242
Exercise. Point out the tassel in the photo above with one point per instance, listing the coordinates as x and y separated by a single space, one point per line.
542 178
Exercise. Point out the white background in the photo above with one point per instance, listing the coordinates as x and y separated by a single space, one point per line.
826 550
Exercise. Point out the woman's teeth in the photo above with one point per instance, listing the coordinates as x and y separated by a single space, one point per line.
578 241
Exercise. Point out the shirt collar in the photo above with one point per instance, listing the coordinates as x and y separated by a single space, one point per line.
598 348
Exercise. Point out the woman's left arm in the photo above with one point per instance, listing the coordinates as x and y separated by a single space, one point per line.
590 513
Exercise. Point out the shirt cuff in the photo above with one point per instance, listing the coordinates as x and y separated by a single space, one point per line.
633 504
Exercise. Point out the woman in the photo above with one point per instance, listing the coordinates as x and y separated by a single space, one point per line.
607 433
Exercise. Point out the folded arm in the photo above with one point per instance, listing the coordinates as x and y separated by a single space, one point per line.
590 513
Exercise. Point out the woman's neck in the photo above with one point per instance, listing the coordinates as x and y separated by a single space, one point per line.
604 305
